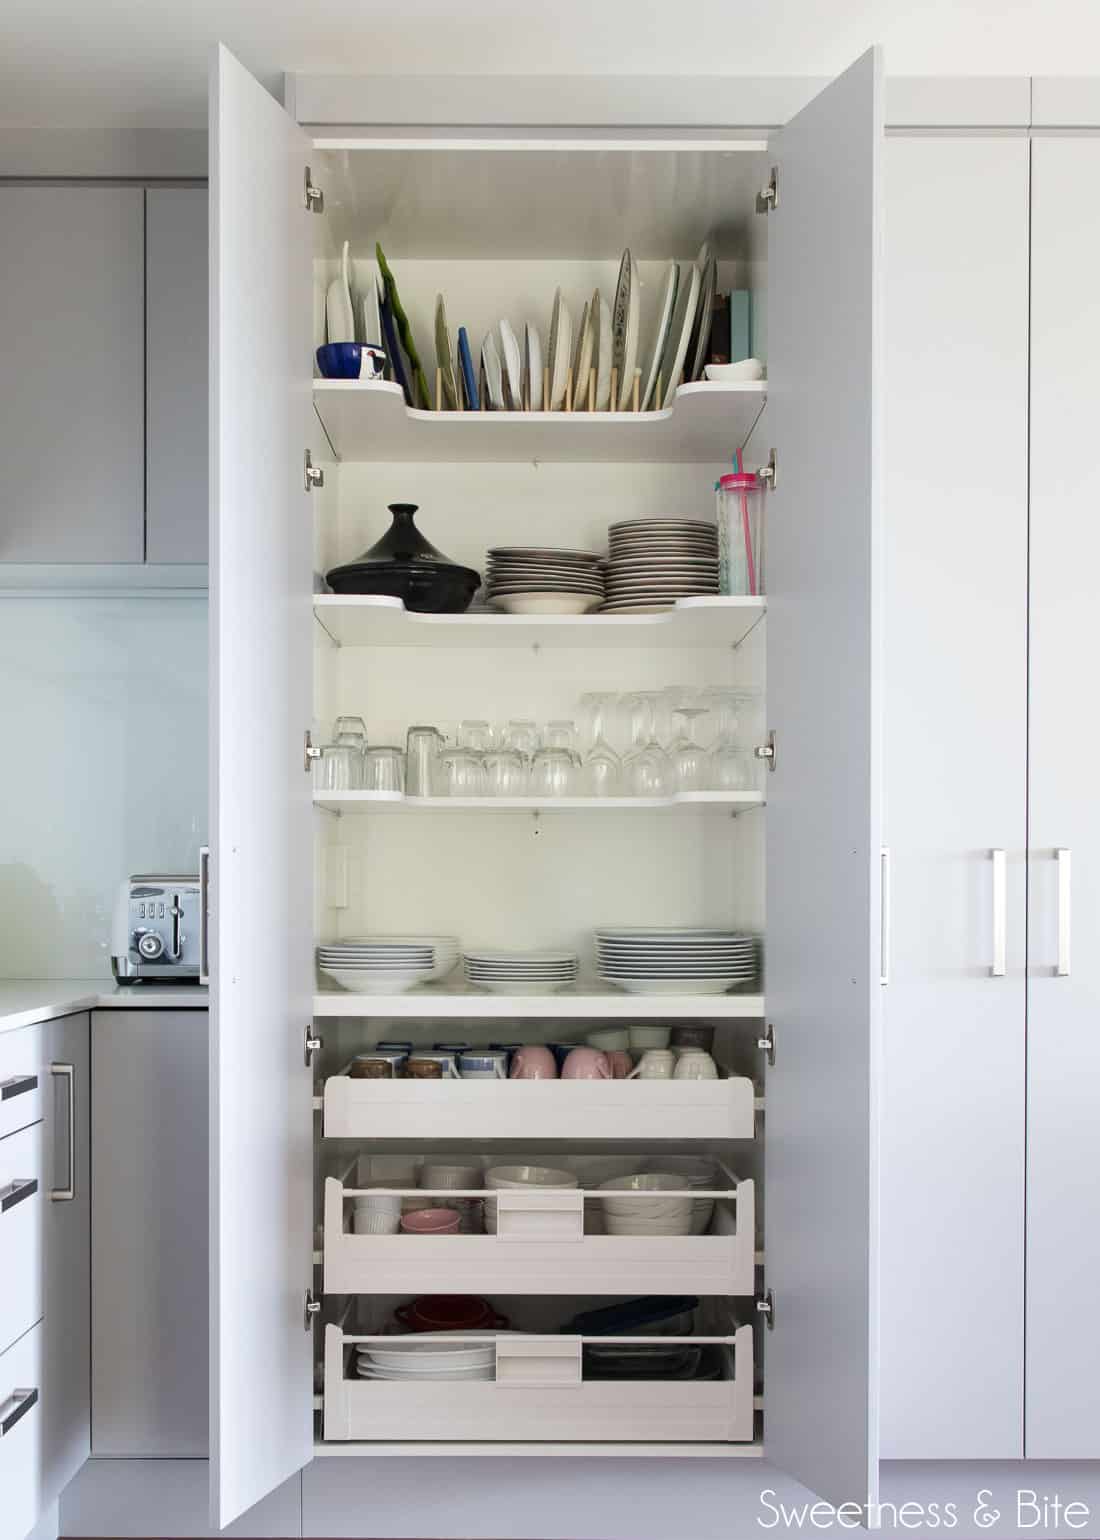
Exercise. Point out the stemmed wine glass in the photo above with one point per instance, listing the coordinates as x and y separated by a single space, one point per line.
730 767
690 761
601 768
647 768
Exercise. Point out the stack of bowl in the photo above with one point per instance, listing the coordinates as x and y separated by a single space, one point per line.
518 1178
455 1178
668 1213
703 1176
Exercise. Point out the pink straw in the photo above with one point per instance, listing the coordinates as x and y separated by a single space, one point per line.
745 526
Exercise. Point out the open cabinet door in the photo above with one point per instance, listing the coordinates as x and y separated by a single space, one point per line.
823 818
261 970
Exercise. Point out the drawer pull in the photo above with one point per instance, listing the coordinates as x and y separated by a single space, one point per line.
15 1193
24 1400
18 1085
66 1194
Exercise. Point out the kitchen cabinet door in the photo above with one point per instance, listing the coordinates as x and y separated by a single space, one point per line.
151 1218
261 1119
823 822
955 792
177 406
72 374
1063 1040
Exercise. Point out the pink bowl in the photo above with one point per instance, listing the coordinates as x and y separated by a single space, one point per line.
621 1063
533 1062
431 1221
586 1064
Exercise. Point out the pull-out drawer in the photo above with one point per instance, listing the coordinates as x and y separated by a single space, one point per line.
22 1078
21 1432
714 1110
541 1247
22 1200
540 1393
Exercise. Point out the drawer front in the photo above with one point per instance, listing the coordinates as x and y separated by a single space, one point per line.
21 1441
22 1206
22 1078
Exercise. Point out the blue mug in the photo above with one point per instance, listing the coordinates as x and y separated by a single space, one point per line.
483 1064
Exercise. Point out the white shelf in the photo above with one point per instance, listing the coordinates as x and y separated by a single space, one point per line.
705 424
640 1110
428 1002
374 620
540 1396
542 1247
502 1449
396 802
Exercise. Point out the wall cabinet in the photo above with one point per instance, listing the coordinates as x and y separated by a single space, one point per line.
44 1236
150 1216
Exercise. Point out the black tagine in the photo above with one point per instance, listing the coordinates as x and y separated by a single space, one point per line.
406 566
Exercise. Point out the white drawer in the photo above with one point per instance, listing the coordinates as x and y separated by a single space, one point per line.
22 1079
22 1205
21 1441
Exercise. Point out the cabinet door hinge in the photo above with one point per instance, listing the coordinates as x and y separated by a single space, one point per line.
313 1308
767 198
315 198
766 1308
315 476
766 751
311 753
313 1045
769 474
766 1044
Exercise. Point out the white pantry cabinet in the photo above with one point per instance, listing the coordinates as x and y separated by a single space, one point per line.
1063 985
819 847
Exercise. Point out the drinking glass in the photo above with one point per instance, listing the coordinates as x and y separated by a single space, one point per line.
553 773
422 746
523 736
731 767
383 768
476 735
601 770
350 732
690 761
505 773
647 769
561 734
340 768
461 773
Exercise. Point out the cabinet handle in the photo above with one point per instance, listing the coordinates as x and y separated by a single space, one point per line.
17 1192
1000 915
67 1193
1062 857
18 1085
24 1400
884 916
204 914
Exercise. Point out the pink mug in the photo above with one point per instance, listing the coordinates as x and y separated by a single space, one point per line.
621 1063
533 1062
586 1064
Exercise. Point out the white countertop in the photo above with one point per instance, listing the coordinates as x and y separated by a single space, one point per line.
25 1001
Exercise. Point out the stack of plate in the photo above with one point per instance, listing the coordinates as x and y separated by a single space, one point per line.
654 562
388 965
675 959
538 580
521 973
427 1359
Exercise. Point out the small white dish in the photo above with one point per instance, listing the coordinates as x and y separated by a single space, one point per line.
547 604
744 369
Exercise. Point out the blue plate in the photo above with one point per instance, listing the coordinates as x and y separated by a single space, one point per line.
393 349
469 378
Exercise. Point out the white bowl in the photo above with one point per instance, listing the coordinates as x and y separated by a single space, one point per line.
744 369
610 1039
515 1178
449 1176
659 1215
379 1215
643 1037
374 983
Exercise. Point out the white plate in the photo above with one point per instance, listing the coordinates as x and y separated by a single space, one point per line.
548 604
681 986
494 374
521 987
561 350
513 366
374 983
528 552
445 356
679 526
664 317
339 317
372 316
664 932
486 954
624 328
582 359
603 357
679 333
488 1373
532 367
708 284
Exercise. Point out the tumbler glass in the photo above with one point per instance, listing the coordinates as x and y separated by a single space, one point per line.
422 746
384 768
553 773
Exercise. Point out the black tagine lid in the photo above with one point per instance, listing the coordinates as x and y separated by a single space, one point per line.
403 541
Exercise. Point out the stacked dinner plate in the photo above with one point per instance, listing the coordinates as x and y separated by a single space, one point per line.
654 562
521 973
538 580
388 965
675 960
428 1358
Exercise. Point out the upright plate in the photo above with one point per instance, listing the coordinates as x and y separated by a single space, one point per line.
532 368
561 348
444 354
624 329
513 367
603 358
703 318
582 359
679 334
372 314
664 317
493 373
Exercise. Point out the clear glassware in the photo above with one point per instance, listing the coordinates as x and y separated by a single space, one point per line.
523 736
561 734
553 773
691 764
422 746
476 735
505 773
731 764
601 768
350 732
340 768
461 773
647 769
383 768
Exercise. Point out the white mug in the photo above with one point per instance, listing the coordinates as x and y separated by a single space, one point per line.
655 1064
695 1064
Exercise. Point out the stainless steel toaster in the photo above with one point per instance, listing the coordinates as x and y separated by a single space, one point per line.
156 928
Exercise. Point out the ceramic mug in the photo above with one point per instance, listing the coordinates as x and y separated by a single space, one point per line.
533 1062
483 1064
586 1064
377 1066
695 1064
655 1064
424 1069
561 1052
621 1064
